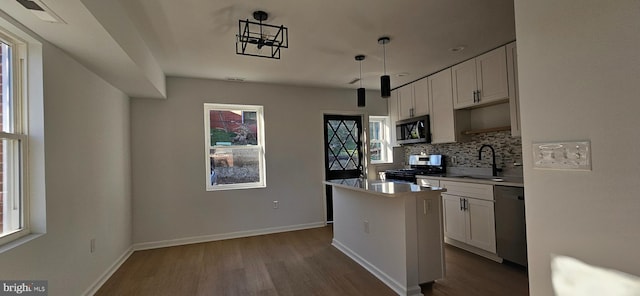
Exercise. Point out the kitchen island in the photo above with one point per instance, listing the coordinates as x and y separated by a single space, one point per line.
393 229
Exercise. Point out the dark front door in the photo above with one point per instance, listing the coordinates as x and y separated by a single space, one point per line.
343 151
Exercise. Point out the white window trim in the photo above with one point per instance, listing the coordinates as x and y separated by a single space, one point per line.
387 152
19 120
260 147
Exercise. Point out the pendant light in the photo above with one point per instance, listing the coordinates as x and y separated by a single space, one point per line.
385 80
361 94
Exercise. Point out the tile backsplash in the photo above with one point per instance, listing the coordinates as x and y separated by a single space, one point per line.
465 154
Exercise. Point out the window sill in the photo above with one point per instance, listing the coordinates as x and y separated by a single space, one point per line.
20 241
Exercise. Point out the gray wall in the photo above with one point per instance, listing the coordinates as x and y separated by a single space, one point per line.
579 70
170 203
87 168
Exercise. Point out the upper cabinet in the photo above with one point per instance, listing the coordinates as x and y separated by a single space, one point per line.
481 80
514 99
413 99
444 126
392 106
421 97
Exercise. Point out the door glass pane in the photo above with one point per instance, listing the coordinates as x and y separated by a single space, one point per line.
343 144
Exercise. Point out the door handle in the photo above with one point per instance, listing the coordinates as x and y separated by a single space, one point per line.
424 206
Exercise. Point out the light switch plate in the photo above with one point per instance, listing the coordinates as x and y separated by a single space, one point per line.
562 155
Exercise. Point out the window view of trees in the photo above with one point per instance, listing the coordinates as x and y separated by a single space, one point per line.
235 154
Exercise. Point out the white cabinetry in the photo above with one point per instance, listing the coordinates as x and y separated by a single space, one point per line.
413 99
430 238
422 181
445 126
469 214
514 99
481 80
421 97
392 106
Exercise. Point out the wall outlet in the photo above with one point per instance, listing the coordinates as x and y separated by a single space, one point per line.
275 204
92 245
366 226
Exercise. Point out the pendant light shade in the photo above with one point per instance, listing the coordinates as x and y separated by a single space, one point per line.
385 80
385 86
361 93
361 97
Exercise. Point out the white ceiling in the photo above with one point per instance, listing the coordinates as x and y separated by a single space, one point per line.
196 38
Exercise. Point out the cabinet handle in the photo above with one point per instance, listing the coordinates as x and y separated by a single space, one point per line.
474 96
461 204
466 203
478 95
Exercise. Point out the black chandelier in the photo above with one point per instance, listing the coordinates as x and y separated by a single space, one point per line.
268 39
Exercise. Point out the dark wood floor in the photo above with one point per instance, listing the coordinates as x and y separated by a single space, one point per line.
292 263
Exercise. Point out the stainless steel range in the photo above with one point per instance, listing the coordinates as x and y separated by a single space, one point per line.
431 165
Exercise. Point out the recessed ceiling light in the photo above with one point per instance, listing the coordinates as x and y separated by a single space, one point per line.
456 49
235 79
403 74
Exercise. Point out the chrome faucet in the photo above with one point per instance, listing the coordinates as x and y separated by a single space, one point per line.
494 168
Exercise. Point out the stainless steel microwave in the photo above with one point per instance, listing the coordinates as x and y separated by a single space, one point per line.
413 130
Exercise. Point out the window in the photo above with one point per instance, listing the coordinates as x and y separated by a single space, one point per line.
14 217
234 145
379 142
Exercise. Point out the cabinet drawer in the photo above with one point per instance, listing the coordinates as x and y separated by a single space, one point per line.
428 182
479 191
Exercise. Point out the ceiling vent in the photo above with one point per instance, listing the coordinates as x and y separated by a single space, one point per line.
41 11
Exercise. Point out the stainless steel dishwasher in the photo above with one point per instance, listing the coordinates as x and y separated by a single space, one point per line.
511 235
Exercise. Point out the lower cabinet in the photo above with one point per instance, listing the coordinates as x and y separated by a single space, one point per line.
469 218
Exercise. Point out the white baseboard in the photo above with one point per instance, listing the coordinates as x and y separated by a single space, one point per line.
222 236
473 249
386 279
108 273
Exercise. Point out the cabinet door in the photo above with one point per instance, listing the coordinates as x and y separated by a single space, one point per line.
492 76
430 240
421 97
405 105
514 99
443 127
392 106
481 225
464 84
453 217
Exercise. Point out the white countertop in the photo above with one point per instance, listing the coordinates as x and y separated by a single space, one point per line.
384 188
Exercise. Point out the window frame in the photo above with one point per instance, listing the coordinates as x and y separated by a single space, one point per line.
17 156
260 147
385 141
